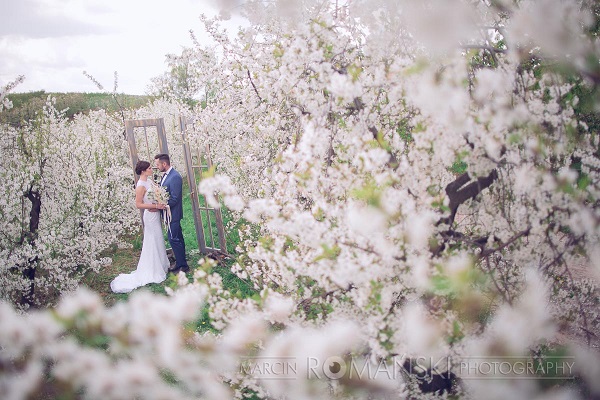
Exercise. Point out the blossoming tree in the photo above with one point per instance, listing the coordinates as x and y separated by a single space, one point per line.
419 181
429 170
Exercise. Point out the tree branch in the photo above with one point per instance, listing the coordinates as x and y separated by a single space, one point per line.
504 294
255 90
306 302
458 196
487 252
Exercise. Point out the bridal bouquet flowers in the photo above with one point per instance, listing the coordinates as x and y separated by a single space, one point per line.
159 195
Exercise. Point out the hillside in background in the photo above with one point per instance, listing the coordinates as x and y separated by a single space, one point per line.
27 105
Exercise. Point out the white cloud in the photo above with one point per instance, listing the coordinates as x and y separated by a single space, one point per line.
52 42
39 19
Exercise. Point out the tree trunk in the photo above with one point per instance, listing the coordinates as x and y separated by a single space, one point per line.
29 270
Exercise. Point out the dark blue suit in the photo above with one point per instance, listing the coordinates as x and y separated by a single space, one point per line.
174 185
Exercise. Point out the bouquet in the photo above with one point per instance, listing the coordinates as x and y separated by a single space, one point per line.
159 195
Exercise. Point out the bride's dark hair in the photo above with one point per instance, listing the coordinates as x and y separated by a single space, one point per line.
141 166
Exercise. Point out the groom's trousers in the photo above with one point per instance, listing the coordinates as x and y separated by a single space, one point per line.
177 244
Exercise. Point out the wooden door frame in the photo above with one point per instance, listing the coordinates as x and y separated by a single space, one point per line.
184 123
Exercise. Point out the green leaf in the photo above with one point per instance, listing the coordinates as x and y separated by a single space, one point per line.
370 193
210 172
441 285
354 72
329 253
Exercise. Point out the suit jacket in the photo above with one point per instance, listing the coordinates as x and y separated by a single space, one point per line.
174 185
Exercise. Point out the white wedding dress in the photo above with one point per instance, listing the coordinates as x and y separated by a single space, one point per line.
153 264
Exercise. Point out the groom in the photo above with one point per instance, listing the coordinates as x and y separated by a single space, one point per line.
173 183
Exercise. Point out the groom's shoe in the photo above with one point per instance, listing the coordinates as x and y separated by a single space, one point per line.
172 268
185 269
176 270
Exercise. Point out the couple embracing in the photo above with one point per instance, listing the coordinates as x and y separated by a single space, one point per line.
154 264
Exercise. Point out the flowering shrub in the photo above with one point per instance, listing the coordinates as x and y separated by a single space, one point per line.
411 170
67 193
420 183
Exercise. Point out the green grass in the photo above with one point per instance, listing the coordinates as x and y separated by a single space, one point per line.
124 261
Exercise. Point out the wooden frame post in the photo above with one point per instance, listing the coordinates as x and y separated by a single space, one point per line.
205 246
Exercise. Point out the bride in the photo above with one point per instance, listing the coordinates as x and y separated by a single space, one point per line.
153 264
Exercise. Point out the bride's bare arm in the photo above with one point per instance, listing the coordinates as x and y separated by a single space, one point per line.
139 200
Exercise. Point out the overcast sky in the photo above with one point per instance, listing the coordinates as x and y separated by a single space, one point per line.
52 42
